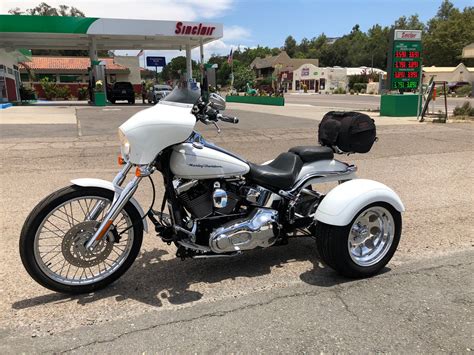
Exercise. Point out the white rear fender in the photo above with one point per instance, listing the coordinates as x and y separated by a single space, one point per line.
342 203
109 186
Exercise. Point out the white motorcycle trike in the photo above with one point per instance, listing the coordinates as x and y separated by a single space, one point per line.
84 236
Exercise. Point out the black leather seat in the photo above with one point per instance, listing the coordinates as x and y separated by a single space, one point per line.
311 153
281 173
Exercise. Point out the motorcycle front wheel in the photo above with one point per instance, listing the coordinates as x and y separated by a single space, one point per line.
52 241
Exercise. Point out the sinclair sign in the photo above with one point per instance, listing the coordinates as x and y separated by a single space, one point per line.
404 64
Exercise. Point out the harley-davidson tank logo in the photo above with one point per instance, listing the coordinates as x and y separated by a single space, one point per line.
204 166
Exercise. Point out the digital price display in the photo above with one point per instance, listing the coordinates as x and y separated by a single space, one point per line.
405 60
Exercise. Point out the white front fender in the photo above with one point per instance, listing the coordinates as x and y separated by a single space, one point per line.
342 203
109 186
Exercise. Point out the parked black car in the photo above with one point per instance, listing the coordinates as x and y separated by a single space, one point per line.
121 90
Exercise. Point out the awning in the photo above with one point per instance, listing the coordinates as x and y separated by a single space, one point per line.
61 32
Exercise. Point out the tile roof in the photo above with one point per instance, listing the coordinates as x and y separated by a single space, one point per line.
281 58
68 63
434 69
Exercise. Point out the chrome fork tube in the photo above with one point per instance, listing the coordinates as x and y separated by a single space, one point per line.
118 181
119 202
120 177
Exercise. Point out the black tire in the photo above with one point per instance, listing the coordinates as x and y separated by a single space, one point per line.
39 213
131 102
332 245
112 101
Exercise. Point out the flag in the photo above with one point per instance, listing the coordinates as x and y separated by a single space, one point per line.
229 58
140 53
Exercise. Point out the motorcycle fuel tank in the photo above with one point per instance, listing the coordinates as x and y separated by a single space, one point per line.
190 162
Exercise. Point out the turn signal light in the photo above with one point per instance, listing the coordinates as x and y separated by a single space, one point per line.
121 161
138 172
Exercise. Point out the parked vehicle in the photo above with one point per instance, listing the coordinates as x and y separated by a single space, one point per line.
453 86
86 235
121 90
157 92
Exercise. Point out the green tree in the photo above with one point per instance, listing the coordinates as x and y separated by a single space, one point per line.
243 75
411 23
176 68
445 10
448 32
290 46
43 9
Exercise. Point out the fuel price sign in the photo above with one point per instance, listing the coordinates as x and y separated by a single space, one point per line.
404 65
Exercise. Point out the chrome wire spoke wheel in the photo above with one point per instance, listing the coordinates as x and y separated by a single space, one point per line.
371 236
59 245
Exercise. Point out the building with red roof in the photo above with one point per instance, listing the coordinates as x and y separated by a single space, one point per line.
74 71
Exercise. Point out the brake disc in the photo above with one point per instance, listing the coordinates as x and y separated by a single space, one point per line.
74 250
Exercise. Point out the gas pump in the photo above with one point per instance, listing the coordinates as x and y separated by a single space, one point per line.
97 72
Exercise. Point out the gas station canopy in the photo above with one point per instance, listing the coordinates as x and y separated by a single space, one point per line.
57 32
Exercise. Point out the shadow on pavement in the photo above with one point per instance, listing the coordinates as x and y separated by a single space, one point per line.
151 278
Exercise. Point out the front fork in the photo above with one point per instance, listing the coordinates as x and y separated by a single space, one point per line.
122 196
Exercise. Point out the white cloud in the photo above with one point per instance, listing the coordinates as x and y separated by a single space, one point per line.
232 33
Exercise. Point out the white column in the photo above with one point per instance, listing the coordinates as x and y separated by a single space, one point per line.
189 68
93 49
201 58
201 51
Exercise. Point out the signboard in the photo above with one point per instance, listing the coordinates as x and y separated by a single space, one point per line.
155 61
404 65
305 72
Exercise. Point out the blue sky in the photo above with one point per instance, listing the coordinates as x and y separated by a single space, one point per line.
255 22
306 18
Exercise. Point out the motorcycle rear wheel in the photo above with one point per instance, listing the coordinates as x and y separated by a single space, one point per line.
363 247
53 237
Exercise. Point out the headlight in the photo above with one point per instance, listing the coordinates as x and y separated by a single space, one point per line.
124 144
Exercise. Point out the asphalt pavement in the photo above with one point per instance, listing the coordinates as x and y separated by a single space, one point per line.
280 299
417 308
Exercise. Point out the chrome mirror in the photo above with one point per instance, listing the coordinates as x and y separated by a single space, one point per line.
216 101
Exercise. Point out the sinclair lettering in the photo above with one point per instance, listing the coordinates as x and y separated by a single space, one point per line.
198 30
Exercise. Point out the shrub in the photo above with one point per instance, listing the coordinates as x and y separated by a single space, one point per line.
464 90
465 110
49 88
359 86
352 92
27 93
82 93
363 91
265 81
339 91
63 92
53 90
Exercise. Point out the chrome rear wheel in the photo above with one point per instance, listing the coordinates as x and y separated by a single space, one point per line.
363 247
371 236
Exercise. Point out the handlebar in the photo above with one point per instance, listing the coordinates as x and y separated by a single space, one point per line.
228 119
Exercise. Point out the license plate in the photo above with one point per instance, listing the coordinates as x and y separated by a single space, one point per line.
124 91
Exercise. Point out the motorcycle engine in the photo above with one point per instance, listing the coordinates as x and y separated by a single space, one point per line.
225 222
256 230
205 198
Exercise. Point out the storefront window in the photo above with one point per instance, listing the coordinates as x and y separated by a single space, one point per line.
70 78
24 77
